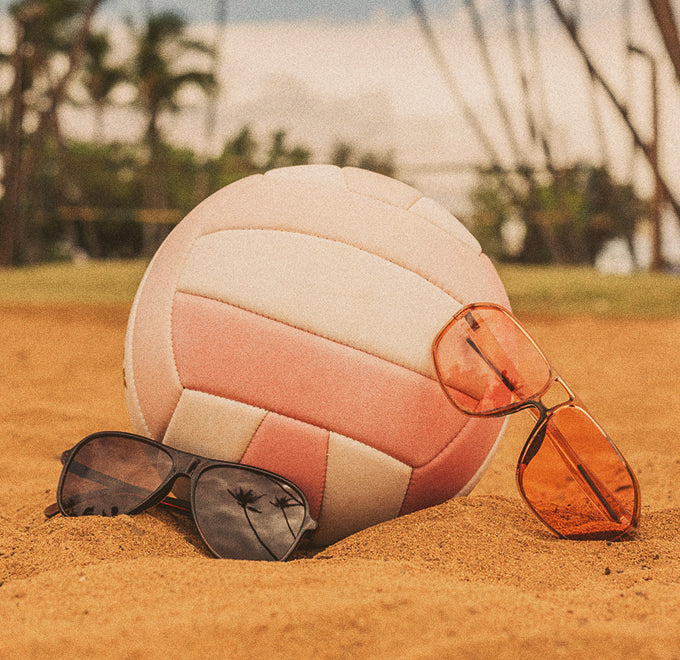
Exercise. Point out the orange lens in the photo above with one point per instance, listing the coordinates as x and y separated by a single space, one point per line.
487 363
576 481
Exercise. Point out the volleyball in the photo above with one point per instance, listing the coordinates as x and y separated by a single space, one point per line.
287 322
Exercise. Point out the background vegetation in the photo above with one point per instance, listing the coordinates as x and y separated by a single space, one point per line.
64 199
563 290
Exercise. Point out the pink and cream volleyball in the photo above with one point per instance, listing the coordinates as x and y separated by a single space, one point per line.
287 322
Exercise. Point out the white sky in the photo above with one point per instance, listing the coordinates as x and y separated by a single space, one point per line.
373 82
260 11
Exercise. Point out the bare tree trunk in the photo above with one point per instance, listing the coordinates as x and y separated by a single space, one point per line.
13 152
665 20
478 29
644 147
21 159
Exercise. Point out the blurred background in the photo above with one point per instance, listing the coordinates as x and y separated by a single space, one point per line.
550 128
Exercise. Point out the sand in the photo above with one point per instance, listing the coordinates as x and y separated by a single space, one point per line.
475 577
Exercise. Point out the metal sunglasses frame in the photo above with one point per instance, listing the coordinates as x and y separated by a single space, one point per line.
542 414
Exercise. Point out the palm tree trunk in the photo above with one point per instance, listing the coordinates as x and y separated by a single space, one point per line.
644 147
665 20
595 110
516 48
155 190
451 82
478 29
22 159
257 536
13 152
544 124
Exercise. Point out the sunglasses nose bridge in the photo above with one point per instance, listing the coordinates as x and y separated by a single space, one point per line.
185 465
557 395
538 411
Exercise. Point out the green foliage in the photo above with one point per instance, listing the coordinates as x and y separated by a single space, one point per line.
62 283
65 197
280 154
344 154
582 291
100 189
102 176
541 291
567 217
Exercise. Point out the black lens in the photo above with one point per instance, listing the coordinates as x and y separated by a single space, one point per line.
110 474
246 514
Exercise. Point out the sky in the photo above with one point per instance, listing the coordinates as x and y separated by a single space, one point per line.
360 71
263 11
259 11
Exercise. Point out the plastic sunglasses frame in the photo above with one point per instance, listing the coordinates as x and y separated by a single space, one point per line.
184 464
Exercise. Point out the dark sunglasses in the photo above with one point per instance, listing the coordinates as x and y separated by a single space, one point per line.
240 511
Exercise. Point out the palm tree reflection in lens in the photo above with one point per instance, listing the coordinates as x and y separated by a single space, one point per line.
488 365
235 524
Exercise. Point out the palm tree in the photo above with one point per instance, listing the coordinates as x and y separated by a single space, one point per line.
162 43
246 499
284 502
537 84
99 79
452 83
482 43
514 24
43 29
160 46
598 121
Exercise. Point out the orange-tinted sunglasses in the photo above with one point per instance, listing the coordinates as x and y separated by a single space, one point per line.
570 473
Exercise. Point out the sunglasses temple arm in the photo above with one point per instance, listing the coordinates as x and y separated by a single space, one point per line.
51 510
175 504
105 479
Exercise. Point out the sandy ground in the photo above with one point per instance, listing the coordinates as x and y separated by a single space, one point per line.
476 577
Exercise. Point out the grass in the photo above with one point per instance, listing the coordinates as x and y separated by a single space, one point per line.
562 291
533 291
90 282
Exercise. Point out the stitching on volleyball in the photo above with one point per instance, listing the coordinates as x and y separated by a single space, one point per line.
339 242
